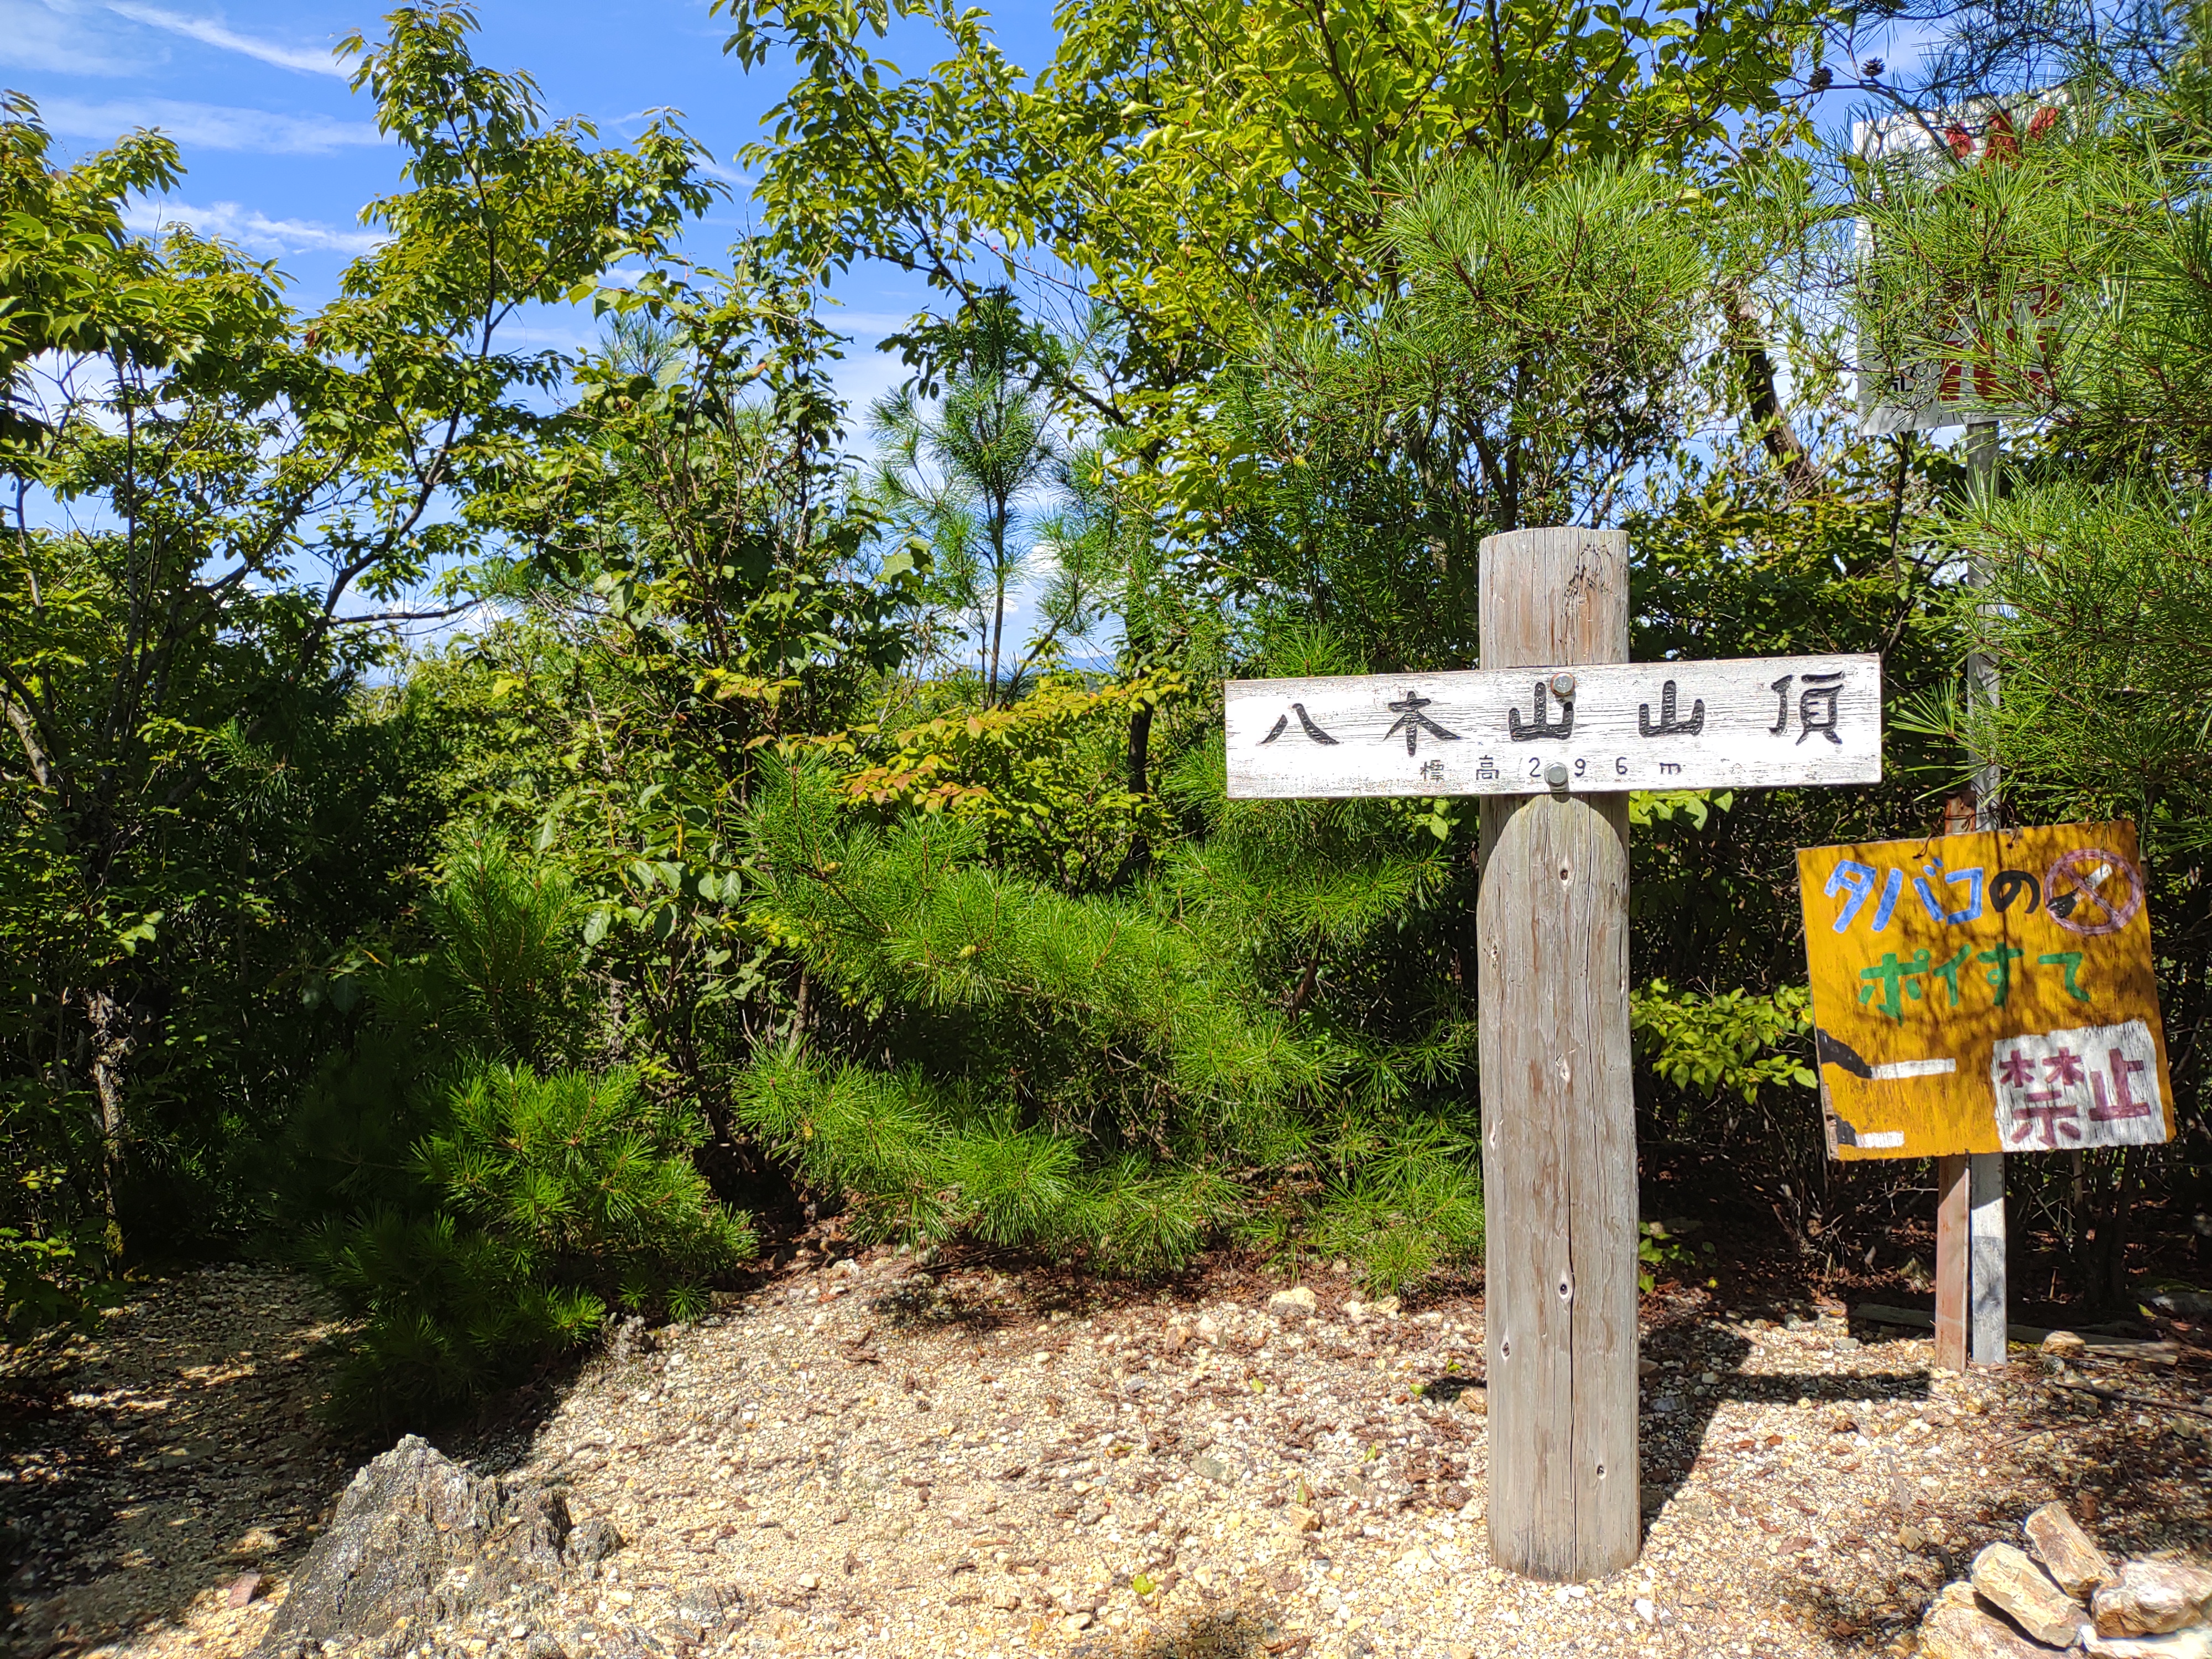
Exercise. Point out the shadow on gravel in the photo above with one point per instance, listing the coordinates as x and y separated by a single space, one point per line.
1678 1403
166 1452
2138 1480
1240 1634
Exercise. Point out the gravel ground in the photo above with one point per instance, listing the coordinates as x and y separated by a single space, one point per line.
883 1461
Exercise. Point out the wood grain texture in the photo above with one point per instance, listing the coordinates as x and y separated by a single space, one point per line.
1985 1256
1953 1213
1744 723
1558 1136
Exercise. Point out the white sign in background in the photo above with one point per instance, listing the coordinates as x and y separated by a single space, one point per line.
1940 392
1751 723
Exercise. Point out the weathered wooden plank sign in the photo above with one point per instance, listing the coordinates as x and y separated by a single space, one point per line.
1985 993
1752 723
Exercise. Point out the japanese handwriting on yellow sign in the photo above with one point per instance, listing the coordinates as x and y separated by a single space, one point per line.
1984 993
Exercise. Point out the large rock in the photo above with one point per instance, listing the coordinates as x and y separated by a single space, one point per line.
418 1537
2023 1592
1959 1627
2151 1598
2195 1643
2071 1555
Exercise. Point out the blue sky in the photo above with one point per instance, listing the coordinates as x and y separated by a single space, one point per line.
281 155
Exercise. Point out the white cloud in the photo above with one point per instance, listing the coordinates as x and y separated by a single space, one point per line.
39 37
214 32
249 228
207 126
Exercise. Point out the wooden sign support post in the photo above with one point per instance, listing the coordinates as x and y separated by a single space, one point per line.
1985 1179
1969 1189
1559 1125
1551 733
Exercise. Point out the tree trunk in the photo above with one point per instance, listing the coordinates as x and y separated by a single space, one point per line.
1800 476
113 1037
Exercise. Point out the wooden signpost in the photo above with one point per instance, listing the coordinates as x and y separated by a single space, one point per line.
1552 732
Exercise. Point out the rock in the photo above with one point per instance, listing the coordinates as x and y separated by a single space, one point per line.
1417 1562
1298 1518
703 1609
1297 1300
2069 1553
2151 1598
591 1540
243 1589
1647 1368
2062 1348
1647 1610
417 1536
1076 1623
2195 1643
1211 1467
2004 1577
1958 1627
809 1581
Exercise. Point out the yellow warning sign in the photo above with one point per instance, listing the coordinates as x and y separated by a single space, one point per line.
1985 993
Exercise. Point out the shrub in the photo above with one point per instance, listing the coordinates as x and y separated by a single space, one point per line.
483 1215
556 1198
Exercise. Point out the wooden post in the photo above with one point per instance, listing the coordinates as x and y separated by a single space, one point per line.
1558 1129
1985 1181
1952 1215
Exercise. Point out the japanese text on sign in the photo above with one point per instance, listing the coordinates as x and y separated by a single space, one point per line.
1759 722
1984 993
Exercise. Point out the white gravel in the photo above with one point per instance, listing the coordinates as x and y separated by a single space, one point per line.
882 1462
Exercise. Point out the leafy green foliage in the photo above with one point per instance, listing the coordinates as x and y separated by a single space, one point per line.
925 1163
2106 597
960 476
1040 776
1731 1042
1212 166
481 1214
1409 1212
837 893
1666 1244
2058 259
177 651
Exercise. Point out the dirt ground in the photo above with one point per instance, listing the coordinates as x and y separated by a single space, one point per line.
869 1457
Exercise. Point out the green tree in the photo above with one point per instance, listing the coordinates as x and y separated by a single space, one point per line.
467 1174
1200 168
2055 250
241 479
962 472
